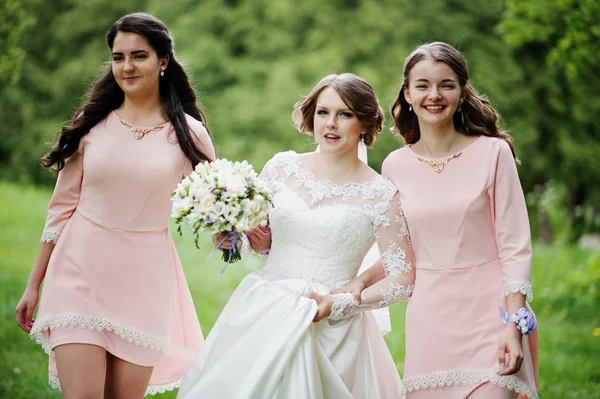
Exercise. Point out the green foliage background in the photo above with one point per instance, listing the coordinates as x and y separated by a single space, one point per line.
251 60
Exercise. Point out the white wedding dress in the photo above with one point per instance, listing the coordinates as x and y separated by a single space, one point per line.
264 344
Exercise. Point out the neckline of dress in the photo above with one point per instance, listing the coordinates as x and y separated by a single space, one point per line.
462 151
311 175
167 123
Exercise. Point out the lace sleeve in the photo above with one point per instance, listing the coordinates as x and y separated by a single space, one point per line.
397 259
269 177
65 197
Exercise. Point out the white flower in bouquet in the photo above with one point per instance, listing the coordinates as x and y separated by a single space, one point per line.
221 196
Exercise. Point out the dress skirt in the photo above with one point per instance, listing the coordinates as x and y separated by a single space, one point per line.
123 290
265 345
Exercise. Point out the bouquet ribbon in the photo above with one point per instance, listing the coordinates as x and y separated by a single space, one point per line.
234 237
504 316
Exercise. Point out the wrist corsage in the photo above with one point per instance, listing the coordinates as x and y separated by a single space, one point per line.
524 320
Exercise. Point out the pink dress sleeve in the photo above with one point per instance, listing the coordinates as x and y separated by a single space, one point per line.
203 143
398 262
509 214
65 197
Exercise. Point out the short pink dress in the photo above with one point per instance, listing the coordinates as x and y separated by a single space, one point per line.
471 241
114 278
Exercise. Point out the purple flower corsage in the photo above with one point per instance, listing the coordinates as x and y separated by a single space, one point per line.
523 319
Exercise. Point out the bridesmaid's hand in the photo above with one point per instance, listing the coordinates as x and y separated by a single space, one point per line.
260 239
324 304
25 309
510 350
356 286
216 239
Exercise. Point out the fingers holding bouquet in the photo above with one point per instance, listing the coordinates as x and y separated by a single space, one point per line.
223 241
223 198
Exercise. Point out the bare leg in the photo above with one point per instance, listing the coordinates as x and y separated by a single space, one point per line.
81 369
125 380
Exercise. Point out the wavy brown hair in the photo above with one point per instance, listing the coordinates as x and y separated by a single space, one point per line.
176 95
356 93
480 118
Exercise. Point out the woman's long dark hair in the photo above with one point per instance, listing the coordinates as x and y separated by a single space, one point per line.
480 118
176 94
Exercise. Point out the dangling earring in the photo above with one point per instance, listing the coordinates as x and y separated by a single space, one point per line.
462 115
409 107
162 73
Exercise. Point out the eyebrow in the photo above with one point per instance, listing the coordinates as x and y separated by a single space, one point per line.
133 52
443 81
327 109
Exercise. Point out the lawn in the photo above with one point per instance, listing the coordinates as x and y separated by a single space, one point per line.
566 288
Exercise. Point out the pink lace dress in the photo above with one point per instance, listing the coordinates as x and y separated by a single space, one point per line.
114 278
471 242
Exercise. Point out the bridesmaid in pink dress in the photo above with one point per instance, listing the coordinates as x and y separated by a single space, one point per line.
116 316
466 213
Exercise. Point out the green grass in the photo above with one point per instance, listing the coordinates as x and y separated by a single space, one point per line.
566 288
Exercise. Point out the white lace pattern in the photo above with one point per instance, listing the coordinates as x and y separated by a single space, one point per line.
465 377
401 220
94 323
343 305
394 260
513 287
50 236
322 232
394 293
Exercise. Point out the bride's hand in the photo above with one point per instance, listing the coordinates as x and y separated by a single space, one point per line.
260 239
356 286
324 304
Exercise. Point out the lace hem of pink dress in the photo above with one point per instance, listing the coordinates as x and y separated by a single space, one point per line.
97 324
84 322
465 377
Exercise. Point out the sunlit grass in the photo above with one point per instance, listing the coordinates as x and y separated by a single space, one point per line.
566 287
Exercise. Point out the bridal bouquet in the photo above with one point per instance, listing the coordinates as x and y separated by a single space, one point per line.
221 196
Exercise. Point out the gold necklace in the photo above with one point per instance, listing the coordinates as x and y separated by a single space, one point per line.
140 132
438 166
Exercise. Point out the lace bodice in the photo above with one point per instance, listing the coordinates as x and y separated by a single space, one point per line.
321 232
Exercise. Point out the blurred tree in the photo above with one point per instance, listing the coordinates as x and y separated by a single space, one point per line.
558 43
255 58
15 20
64 51
251 60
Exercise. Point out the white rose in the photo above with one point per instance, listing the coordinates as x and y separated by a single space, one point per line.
192 218
243 224
208 201
235 184
182 204
218 208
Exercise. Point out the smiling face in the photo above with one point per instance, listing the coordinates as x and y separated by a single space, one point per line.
337 129
135 65
434 92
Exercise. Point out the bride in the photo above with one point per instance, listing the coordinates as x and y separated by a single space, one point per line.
329 209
